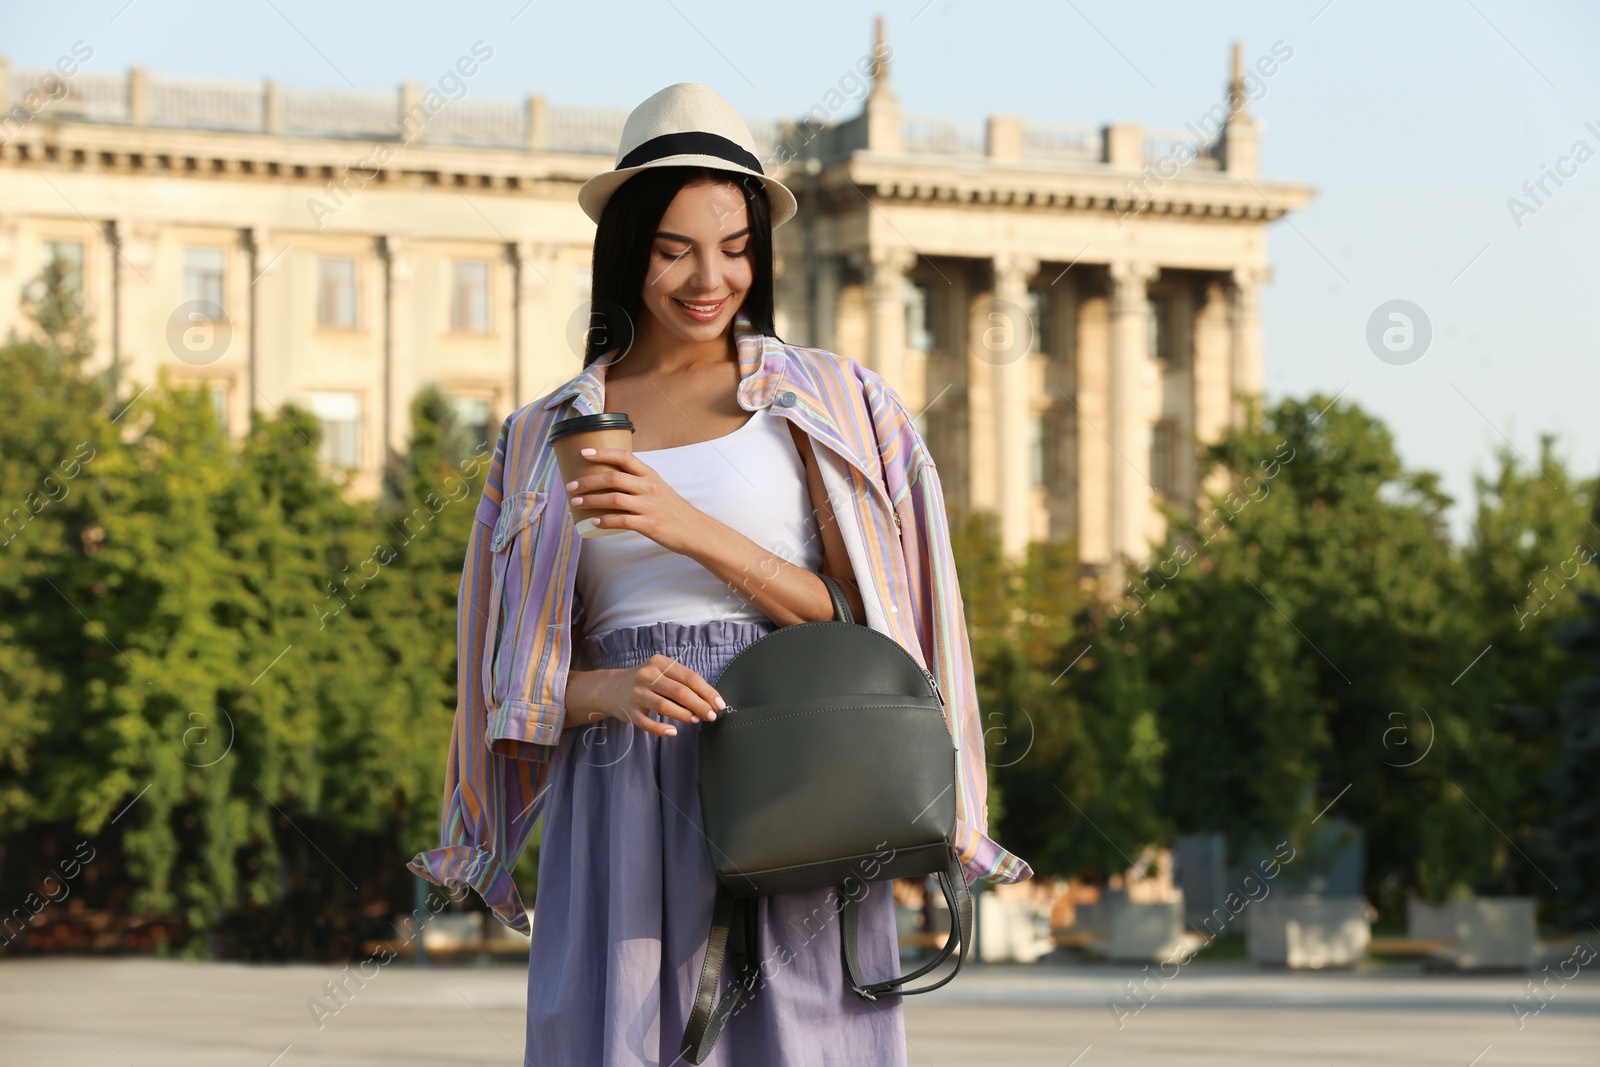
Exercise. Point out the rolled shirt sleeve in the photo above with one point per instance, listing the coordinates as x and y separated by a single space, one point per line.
941 626
490 805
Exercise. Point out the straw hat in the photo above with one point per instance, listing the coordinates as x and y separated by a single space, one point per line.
685 125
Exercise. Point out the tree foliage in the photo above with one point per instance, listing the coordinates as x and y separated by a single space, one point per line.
233 680
1310 640
236 681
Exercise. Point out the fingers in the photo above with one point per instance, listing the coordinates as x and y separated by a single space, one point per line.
622 458
615 501
680 692
649 700
608 489
593 483
653 702
684 696
698 693
642 703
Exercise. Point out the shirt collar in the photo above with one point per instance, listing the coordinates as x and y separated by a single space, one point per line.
767 374
761 367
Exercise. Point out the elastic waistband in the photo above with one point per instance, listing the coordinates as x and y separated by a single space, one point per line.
641 641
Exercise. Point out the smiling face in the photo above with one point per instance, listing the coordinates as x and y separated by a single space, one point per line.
700 268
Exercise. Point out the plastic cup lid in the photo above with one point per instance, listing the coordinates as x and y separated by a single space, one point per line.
605 420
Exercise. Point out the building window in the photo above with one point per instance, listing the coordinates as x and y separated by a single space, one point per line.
1157 333
336 293
919 317
203 274
469 296
469 424
66 257
219 404
339 415
1163 456
1039 316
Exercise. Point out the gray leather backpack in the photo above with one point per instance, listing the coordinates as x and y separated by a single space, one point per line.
832 766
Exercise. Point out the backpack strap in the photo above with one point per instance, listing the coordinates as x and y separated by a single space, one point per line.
841 605
734 938
959 897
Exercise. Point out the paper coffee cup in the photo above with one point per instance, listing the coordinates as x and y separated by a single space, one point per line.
608 429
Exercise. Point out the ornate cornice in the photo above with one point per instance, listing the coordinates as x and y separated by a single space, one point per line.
914 180
312 162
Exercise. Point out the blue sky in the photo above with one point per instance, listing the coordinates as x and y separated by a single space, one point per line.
1416 123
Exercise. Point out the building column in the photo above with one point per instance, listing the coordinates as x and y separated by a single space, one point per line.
249 330
825 307
12 278
1212 403
399 349
1091 408
886 270
268 372
782 285
1012 331
1245 351
139 313
1130 415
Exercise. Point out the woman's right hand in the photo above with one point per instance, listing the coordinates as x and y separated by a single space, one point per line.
660 685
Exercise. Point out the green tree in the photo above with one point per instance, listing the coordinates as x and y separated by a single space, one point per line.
1577 789
1072 788
426 520
52 438
1309 611
1528 555
216 663
53 303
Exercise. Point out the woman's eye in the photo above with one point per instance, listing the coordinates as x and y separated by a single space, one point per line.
738 254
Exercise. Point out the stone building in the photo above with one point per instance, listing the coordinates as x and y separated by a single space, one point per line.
1072 308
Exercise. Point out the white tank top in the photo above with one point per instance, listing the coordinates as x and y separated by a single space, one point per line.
753 480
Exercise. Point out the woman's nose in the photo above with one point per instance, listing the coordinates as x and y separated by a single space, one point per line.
707 273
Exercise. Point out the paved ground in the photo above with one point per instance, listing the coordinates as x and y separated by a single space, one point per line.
148 1013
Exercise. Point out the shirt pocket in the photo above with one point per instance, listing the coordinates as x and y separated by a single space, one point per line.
515 558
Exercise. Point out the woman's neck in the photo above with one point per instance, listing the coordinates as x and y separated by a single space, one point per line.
657 350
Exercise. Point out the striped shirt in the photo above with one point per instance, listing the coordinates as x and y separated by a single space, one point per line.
518 614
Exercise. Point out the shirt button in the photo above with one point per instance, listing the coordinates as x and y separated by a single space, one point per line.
895 608
786 399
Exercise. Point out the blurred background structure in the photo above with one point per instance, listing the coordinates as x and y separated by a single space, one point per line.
1070 306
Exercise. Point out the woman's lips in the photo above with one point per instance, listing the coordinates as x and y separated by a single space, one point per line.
701 310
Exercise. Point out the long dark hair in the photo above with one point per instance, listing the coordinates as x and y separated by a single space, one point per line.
626 234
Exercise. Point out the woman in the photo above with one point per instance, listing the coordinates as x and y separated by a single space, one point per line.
721 517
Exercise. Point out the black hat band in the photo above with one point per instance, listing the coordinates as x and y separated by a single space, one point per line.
692 142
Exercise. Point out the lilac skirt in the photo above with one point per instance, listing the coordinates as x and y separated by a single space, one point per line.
624 904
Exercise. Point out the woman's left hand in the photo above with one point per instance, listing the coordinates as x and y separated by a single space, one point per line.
645 502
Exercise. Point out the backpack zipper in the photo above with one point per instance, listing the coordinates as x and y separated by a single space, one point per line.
933 683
